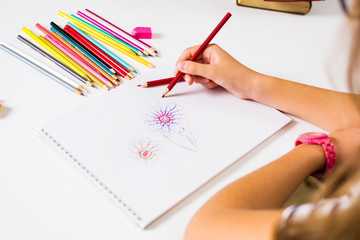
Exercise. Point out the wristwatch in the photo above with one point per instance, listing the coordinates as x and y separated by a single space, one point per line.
323 140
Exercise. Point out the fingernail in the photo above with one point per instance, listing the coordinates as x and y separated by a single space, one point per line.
205 80
181 66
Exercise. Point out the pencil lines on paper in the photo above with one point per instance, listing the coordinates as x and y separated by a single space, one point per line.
145 150
165 118
169 119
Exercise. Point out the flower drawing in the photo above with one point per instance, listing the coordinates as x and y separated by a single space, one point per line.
145 150
165 117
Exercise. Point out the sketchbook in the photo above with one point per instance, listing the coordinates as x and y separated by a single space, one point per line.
148 153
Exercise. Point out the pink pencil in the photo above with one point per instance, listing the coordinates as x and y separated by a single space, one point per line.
81 62
44 31
108 30
128 34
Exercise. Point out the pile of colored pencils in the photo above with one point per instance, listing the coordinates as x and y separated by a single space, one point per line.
76 48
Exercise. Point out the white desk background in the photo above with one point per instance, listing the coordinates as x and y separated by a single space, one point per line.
42 197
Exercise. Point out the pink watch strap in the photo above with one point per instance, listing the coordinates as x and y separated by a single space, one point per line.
326 143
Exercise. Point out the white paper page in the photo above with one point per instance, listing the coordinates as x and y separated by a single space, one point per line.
150 152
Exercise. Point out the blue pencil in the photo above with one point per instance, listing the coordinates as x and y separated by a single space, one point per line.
75 45
59 78
100 46
107 34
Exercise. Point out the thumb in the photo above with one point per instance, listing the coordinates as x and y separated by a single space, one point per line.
194 68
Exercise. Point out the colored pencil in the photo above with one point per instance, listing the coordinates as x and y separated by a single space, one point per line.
113 44
103 56
126 34
91 77
54 60
83 57
78 21
96 51
199 51
86 27
105 38
119 41
55 53
46 32
59 78
79 61
74 45
110 31
157 82
79 46
101 47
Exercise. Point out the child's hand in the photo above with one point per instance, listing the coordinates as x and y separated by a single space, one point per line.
216 67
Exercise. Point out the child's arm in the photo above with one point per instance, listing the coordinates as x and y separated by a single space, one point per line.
329 110
246 208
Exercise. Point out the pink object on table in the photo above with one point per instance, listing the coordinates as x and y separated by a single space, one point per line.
142 32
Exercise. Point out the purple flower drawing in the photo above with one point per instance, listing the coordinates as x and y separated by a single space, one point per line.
165 118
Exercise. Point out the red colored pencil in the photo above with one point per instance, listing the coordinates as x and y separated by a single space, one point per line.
95 50
199 51
153 49
158 82
98 52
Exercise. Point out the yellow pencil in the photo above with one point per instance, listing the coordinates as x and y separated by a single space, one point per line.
87 60
105 39
113 44
63 55
55 53
78 23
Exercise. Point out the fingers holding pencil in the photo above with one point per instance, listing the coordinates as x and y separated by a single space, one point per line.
198 52
203 69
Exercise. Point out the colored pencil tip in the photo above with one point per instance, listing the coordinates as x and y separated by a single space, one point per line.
166 92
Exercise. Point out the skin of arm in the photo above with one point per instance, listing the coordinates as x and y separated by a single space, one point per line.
247 208
327 109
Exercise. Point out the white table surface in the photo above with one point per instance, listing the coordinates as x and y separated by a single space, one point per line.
42 197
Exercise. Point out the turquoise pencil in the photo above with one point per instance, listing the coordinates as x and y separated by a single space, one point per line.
106 34
101 65
100 46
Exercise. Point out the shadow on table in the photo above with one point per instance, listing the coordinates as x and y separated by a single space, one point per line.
5 111
332 8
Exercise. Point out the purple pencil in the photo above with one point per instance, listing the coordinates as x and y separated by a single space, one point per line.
129 36
108 30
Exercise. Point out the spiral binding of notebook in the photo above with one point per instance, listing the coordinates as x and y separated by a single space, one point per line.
65 154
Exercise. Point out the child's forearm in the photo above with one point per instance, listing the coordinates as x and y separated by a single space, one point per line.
327 109
250 207
271 185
